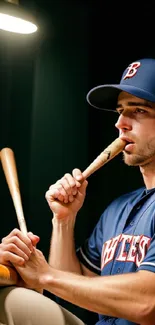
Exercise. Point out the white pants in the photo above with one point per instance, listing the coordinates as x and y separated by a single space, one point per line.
20 306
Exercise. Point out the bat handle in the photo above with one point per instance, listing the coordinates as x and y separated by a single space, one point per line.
19 212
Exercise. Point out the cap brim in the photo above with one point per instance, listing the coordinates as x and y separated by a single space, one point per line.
105 96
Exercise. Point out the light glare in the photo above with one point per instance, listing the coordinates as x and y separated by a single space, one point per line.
16 25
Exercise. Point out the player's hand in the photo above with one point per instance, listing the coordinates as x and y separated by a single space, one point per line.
32 271
67 195
16 248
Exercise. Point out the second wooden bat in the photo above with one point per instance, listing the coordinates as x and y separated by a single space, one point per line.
10 171
8 275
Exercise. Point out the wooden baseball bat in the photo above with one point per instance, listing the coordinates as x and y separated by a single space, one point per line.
8 275
10 171
109 153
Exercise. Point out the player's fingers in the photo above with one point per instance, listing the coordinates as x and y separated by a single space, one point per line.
66 183
77 174
15 243
13 249
57 190
59 186
13 258
55 194
18 238
82 189
70 179
71 198
70 184
34 238
66 186
14 232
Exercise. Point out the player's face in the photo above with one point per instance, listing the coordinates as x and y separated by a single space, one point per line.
136 124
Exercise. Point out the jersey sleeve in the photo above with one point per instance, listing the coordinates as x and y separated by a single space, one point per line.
148 263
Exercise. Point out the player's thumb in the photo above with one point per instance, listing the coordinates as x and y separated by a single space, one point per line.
34 238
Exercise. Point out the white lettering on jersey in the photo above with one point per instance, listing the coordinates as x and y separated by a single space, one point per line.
143 246
133 249
123 253
108 250
130 249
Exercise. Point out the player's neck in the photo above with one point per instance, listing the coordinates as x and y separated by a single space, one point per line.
148 173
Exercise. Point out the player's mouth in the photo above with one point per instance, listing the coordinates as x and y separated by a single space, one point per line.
129 143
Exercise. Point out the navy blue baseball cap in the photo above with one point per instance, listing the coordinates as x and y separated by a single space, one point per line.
138 79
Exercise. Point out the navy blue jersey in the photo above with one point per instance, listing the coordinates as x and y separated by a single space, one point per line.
123 240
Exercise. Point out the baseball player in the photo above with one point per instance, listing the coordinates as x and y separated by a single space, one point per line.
112 274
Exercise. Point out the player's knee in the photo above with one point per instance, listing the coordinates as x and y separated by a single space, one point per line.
26 306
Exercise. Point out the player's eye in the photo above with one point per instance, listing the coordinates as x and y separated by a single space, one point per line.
140 110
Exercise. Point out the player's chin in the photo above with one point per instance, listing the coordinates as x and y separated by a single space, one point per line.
130 159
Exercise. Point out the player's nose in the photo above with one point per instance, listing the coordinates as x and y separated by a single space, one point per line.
123 123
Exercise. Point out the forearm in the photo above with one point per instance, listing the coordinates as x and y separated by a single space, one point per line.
115 296
62 249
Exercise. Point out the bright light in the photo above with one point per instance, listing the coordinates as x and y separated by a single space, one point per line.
16 25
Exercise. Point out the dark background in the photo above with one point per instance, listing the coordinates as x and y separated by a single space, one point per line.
45 118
